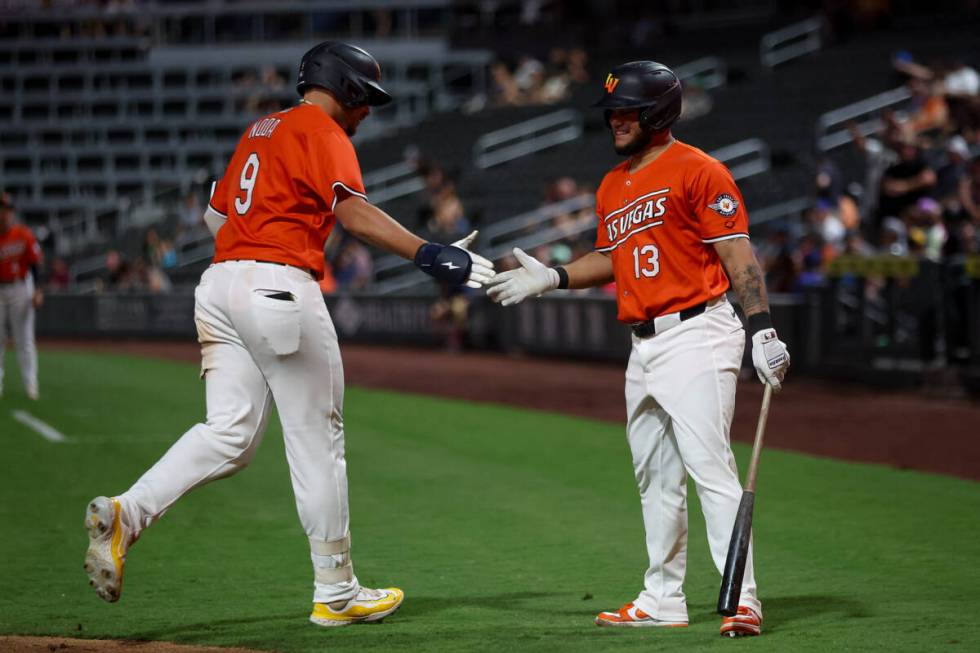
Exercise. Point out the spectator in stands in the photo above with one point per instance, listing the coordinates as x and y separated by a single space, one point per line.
955 83
927 218
448 221
59 278
505 89
825 224
271 84
354 268
190 219
969 192
894 238
950 174
116 270
906 181
696 101
152 246
434 178
928 113
775 254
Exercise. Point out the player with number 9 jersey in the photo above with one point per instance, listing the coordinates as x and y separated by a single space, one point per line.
285 178
658 225
266 334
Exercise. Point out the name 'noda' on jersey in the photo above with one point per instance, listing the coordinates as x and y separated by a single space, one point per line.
620 226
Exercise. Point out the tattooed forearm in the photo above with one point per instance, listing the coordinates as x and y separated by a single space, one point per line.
745 274
750 288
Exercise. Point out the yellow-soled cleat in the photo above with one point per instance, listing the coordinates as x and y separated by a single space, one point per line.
368 605
108 541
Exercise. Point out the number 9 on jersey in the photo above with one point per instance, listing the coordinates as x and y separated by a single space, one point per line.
250 174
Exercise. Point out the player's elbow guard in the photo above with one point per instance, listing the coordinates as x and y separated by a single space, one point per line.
213 220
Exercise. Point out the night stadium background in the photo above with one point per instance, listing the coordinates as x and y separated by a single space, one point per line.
853 130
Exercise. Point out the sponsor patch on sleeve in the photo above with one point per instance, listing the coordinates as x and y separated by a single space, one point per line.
725 205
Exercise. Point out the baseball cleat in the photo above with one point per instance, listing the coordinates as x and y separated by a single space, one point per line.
745 623
368 605
108 541
630 616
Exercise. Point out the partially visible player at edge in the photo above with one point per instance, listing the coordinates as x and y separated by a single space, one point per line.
266 335
671 224
20 294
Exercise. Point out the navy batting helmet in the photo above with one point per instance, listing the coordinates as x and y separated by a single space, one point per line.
348 72
646 85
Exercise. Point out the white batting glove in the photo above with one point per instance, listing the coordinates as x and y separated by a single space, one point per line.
533 278
482 271
770 357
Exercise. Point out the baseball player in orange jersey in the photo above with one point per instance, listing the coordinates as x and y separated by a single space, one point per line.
266 335
20 257
671 224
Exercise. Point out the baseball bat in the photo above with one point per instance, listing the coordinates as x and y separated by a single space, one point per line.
738 546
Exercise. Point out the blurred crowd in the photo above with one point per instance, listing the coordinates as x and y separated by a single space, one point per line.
530 81
919 192
262 91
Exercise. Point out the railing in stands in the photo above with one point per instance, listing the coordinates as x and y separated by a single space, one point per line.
744 158
790 42
394 181
832 131
707 72
779 211
534 135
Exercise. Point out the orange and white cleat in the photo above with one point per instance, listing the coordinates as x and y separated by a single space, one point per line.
745 623
630 616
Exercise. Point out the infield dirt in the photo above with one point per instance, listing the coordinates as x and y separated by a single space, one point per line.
17 644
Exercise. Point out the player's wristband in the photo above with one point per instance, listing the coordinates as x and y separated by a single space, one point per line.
759 321
562 277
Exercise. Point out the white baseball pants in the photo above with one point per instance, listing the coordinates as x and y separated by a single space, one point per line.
17 313
680 398
257 348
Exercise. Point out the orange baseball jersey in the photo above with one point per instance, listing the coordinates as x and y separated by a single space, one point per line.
278 193
658 225
18 252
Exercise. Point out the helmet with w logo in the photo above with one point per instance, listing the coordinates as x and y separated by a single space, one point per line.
651 87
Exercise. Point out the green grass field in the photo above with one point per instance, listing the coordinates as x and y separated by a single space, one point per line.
508 530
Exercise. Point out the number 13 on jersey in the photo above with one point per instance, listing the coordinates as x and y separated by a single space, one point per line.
646 261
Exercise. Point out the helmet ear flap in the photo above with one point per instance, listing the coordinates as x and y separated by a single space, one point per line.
607 116
354 94
646 120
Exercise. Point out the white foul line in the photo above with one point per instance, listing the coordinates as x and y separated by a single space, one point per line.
46 431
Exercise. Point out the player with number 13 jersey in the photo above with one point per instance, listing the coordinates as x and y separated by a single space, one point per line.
672 232
660 223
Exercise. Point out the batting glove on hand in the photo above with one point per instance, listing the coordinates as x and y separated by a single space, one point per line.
533 278
482 271
770 357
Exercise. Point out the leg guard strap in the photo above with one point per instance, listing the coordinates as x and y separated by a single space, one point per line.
334 547
331 561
